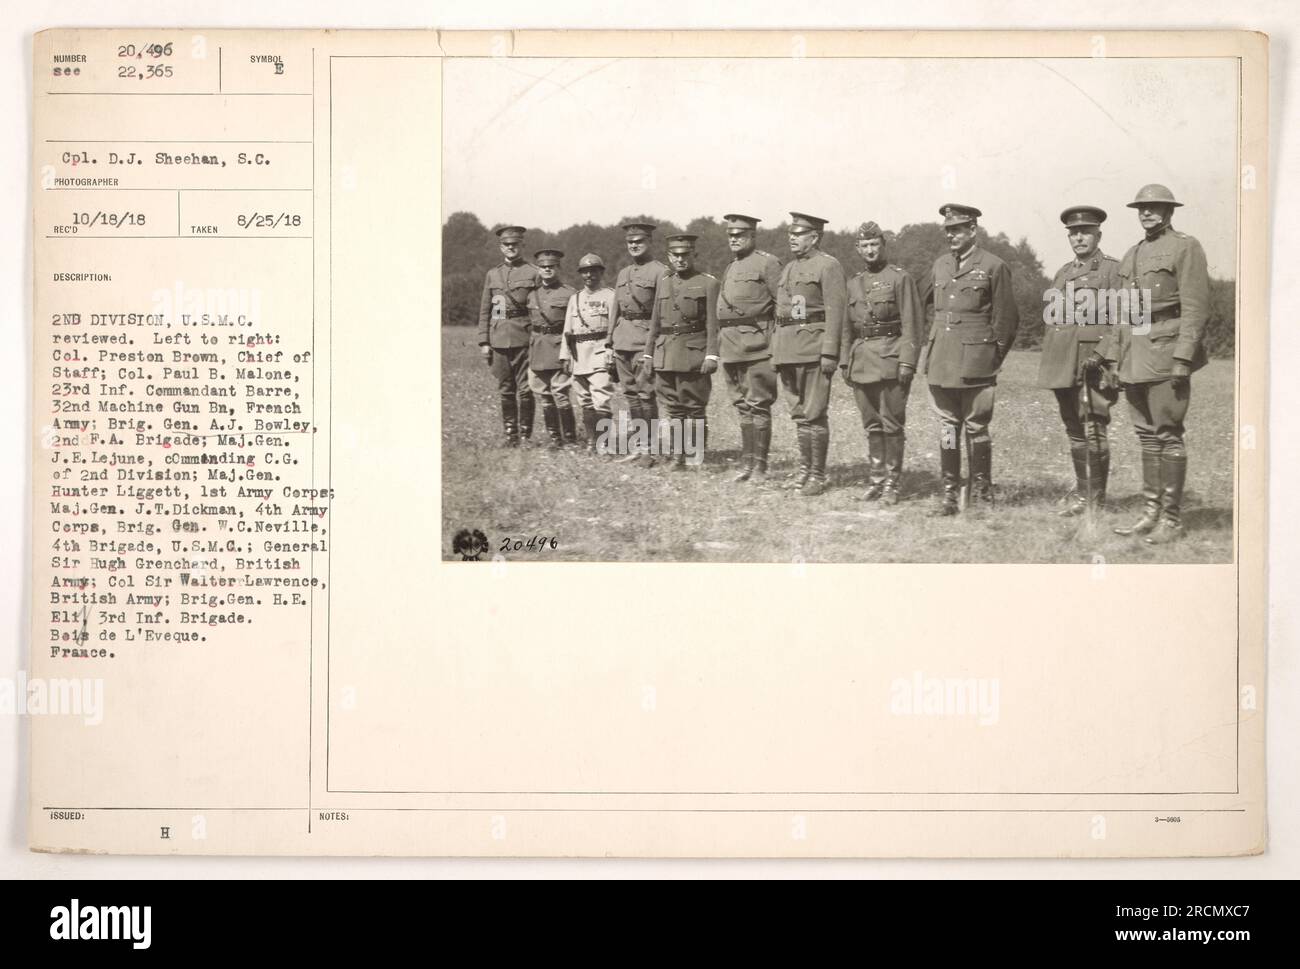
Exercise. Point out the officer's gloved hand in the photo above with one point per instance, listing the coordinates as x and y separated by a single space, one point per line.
828 365
709 365
648 366
568 367
905 375
1181 375
485 352
610 367
1095 362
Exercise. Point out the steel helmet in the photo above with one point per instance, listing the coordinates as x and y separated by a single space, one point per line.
590 260
1153 193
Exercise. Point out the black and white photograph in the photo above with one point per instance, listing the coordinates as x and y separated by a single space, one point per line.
840 309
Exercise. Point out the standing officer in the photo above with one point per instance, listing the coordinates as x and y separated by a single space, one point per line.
975 320
591 313
811 299
635 288
746 308
1074 352
503 332
684 338
1155 367
881 344
547 307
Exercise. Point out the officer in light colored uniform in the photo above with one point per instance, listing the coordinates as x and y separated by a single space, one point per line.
1074 349
746 318
547 306
882 341
635 288
811 301
1156 367
683 341
591 314
975 321
503 332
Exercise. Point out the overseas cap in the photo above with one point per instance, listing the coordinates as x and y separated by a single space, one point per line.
955 214
1153 193
591 260
735 221
869 230
638 230
683 242
803 220
548 257
1083 215
510 233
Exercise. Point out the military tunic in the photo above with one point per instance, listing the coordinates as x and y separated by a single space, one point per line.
1069 341
883 334
683 331
548 306
1172 269
975 321
811 302
746 320
586 335
635 289
503 327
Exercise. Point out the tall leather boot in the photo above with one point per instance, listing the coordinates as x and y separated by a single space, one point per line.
819 446
1077 502
1152 487
875 466
526 410
950 474
607 449
551 420
981 474
589 424
762 444
634 416
1100 475
568 429
893 467
801 476
746 451
1173 471
510 420
678 438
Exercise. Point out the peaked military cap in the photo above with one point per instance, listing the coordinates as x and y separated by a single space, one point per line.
683 242
638 230
591 260
954 214
1153 193
805 221
510 233
548 257
869 230
735 221
1083 215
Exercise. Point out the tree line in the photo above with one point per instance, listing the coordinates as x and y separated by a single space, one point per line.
469 249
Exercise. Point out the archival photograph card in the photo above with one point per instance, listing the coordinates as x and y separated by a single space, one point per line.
649 444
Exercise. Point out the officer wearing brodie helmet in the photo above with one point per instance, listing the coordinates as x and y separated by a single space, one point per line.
810 305
881 342
975 320
1074 363
1155 367
503 332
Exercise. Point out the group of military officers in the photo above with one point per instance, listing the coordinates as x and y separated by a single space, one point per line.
662 332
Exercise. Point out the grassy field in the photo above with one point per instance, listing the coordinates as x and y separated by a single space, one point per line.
602 511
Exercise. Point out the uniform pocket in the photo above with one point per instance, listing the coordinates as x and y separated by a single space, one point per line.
979 358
